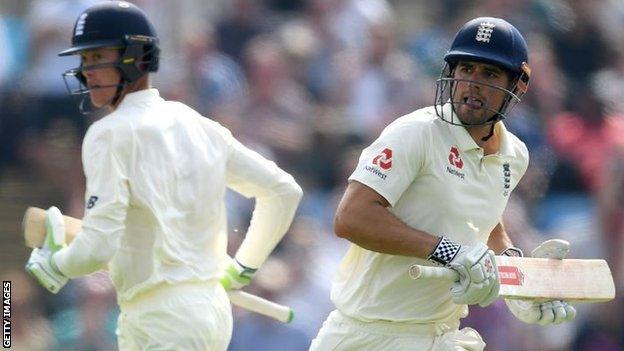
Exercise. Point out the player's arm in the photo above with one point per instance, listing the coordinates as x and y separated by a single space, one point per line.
385 170
277 196
107 201
500 242
363 218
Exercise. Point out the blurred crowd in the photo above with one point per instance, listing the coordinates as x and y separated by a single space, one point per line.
309 83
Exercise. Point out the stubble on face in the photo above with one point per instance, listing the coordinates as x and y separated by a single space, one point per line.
479 94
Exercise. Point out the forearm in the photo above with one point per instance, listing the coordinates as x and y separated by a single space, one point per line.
363 218
499 241
96 245
85 255
387 234
271 219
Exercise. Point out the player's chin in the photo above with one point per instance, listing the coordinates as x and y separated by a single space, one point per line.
473 117
98 100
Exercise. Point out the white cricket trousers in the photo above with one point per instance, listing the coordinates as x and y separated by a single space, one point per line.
187 316
343 333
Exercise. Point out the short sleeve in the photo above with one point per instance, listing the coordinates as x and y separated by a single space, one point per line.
392 162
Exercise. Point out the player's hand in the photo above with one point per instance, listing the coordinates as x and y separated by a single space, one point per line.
549 312
237 276
478 276
40 264
55 230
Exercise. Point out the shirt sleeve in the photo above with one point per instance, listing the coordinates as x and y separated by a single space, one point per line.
106 199
392 162
277 197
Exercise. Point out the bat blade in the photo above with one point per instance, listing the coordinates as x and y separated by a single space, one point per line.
542 278
574 280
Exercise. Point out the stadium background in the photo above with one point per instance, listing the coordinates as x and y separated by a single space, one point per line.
308 83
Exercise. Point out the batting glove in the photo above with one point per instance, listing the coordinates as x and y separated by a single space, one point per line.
549 312
237 276
478 276
41 264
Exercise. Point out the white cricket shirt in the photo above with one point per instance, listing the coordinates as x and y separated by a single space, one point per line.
437 180
156 175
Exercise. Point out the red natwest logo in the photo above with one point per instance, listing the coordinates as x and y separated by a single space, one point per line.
384 159
454 158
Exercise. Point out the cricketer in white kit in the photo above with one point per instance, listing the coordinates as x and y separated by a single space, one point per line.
157 174
431 190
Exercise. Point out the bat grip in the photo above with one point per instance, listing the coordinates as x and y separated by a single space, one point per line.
428 272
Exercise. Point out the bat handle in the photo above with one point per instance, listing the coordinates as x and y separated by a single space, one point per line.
428 272
262 306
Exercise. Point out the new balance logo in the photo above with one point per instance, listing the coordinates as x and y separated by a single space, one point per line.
484 32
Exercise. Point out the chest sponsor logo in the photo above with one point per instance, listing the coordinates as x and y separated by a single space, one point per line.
384 159
510 275
506 179
454 158
457 163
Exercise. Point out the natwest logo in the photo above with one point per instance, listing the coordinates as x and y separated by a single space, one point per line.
454 158
384 159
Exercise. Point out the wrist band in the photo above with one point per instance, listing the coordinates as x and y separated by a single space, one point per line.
245 271
444 252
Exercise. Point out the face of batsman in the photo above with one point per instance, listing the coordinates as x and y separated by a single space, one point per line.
485 75
478 91
100 74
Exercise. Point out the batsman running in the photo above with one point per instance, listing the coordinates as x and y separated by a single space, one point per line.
157 173
431 190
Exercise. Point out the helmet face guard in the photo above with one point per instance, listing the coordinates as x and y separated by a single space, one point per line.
446 93
489 40
139 56
76 85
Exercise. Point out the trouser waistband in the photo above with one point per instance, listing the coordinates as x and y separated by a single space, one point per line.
395 328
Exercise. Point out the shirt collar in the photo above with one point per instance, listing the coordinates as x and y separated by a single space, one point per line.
141 96
459 133
465 141
506 147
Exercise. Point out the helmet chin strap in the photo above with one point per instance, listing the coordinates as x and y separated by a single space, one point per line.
492 125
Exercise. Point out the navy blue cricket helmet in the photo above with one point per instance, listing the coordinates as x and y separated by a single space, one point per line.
114 24
490 40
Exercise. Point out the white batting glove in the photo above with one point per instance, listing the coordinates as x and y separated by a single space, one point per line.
549 312
41 264
478 276
237 276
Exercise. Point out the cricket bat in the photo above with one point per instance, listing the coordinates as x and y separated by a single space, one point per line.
574 280
33 225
